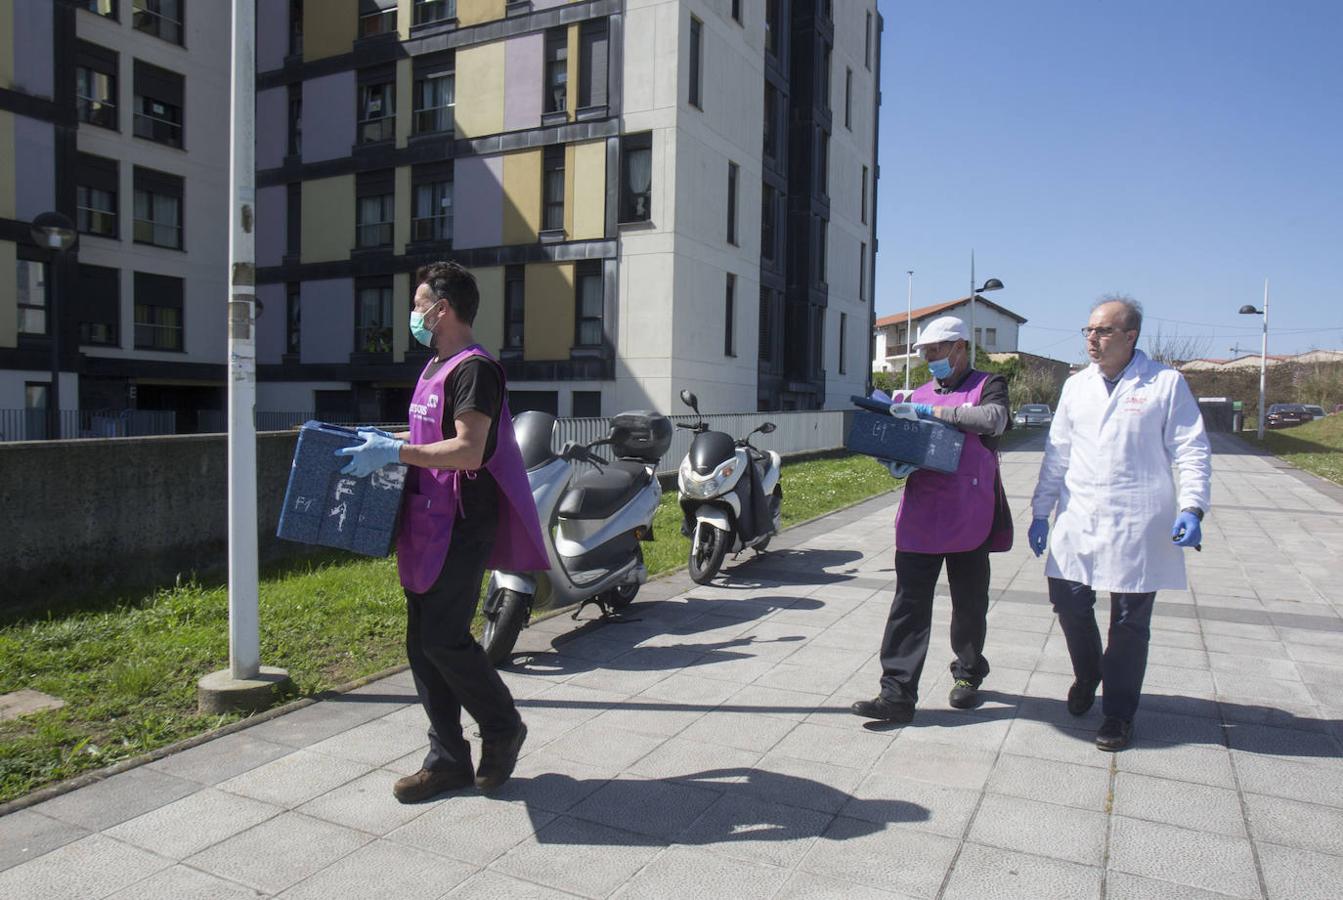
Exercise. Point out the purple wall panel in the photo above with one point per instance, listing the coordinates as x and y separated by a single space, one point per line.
270 324
33 69
327 333
523 58
328 117
34 167
272 33
272 127
272 220
478 186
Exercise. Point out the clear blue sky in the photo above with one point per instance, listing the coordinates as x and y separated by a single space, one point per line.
1176 150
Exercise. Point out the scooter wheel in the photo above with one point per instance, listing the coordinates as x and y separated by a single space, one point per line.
502 629
705 564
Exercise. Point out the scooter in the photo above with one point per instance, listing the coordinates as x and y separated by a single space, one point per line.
594 513
722 510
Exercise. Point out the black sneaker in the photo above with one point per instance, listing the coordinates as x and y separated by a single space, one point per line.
1115 734
964 694
1080 697
498 756
900 711
427 783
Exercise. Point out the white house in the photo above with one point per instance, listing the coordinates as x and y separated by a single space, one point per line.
996 330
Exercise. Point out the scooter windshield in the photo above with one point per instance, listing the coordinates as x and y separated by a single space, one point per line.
709 450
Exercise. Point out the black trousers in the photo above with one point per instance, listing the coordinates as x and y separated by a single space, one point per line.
1120 667
450 667
904 647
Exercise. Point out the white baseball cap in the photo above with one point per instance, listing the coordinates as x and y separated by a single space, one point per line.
943 328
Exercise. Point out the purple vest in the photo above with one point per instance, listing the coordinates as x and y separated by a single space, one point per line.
941 513
432 508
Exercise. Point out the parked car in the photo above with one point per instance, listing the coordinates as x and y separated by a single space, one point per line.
1033 415
1285 415
1315 410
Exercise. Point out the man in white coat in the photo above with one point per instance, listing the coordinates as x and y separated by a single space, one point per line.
1121 522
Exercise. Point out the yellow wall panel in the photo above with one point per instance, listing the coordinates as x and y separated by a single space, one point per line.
401 211
9 298
6 47
522 197
589 191
6 167
329 27
489 326
480 90
548 311
405 96
405 14
328 218
401 297
473 12
571 95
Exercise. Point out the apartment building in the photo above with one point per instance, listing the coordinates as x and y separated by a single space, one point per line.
114 114
653 196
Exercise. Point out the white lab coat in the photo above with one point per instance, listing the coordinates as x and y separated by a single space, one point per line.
1107 468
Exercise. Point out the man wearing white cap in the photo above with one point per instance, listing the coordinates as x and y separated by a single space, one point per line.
955 518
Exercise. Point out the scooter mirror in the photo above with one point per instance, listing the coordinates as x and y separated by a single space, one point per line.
690 400
767 428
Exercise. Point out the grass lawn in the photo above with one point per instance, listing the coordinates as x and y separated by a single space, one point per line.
127 667
1315 446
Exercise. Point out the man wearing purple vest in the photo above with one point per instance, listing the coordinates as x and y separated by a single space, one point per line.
467 506
958 519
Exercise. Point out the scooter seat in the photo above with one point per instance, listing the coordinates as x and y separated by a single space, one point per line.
597 494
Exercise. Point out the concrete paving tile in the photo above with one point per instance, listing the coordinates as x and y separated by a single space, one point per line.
27 834
365 804
900 859
614 747
1193 858
1183 640
1181 705
1285 742
221 759
1257 689
184 883
93 866
1123 886
413 761
553 783
808 886
1310 653
850 745
471 827
968 729
294 779
757 699
744 731
757 830
1246 648
1050 781
691 690
693 873
372 743
890 799
1308 780
1326 676
1199 764
1177 728
803 679
649 716
991 873
1198 807
1306 826
799 782
684 760
490 885
660 809
638 673
279 852
1279 669
187 826
1300 874
383 870
1059 832
946 764
110 801
314 723
1191 680
1179 657
580 857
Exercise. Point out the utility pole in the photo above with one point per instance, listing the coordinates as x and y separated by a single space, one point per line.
909 324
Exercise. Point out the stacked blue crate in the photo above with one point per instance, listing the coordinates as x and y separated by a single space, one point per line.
322 506
925 443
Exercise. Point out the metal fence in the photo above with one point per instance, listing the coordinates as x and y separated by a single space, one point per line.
31 424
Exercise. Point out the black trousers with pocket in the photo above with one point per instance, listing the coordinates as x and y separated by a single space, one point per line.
1120 665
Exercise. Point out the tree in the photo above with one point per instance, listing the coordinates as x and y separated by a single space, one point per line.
1173 348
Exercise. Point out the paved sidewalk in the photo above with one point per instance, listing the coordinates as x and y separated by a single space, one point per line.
704 749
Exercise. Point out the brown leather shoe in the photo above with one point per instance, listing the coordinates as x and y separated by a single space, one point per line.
425 784
498 756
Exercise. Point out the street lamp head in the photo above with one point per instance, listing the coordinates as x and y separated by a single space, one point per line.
992 284
53 231
1248 310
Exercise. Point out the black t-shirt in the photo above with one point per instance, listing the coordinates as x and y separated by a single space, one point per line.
476 384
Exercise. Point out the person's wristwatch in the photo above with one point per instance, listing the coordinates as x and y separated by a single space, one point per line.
1197 513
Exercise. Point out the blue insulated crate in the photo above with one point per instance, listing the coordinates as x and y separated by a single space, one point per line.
928 445
322 506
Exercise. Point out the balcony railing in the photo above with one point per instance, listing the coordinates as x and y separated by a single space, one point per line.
160 235
434 120
431 228
155 129
97 112
377 234
372 131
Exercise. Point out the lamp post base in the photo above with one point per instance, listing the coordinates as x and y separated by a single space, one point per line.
219 692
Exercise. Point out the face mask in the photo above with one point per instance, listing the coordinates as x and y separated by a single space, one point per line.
940 368
418 329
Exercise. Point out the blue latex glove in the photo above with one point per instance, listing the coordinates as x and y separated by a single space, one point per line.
376 451
1038 536
1187 530
370 429
898 469
923 410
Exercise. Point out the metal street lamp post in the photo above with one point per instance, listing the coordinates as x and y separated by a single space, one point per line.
993 284
55 232
909 323
1248 310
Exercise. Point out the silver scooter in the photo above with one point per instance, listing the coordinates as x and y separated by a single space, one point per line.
594 512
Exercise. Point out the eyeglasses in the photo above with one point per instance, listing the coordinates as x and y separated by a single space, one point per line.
1103 331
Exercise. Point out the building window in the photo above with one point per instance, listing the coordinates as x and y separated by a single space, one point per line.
862 270
375 217
293 319
96 85
848 98
862 208
514 307
32 296
771 143
769 211
636 183
589 305
99 304
435 99
730 317
557 70
427 12
158 209
732 179
823 164
825 79
377 112
843 334
293 209
158 312
587 404
295 120
373 319
593 43
867 43
96 188
158 104
552 186
377 17
101 7
161 18
772 27
821 240
431 219
696 61
990 337
295 27
766 338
